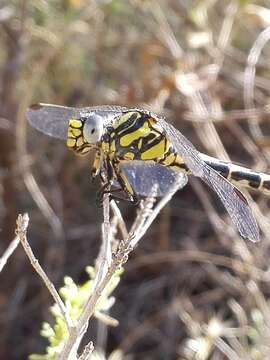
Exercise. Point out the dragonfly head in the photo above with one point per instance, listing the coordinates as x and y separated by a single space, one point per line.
92 128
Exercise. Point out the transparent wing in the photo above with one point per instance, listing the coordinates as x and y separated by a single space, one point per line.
145 175
234 201
53 120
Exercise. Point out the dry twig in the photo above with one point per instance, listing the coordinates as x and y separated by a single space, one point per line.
111 262
9 251
22 224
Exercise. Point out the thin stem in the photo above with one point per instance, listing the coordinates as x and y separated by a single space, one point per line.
22 224
9 251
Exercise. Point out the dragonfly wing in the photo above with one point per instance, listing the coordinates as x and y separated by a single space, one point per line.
53 120
50 119
234 201
105 109
236 204
144 176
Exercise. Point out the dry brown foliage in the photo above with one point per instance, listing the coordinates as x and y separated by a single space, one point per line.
192 289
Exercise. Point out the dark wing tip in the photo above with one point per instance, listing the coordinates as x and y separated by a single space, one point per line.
252 231
36 106
32 113
240 195
255 238
50 119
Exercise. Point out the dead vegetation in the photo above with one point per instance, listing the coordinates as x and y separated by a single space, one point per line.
192 289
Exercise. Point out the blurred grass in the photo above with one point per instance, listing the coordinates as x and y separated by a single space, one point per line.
185 59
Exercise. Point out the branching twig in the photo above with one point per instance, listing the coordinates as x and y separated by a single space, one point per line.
152 217
110 263
22 224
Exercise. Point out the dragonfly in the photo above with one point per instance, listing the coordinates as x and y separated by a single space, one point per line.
139 150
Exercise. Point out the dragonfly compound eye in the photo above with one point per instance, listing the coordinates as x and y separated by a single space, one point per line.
93 128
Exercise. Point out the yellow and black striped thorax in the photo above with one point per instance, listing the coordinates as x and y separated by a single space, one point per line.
133 135
137 135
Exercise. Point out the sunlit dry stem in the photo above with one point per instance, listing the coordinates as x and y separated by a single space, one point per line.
87 351
249 79
151 217
106 269
104 259
106 319
121 223
22 224
110 263
9 251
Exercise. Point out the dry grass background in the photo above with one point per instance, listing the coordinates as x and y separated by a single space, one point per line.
193 289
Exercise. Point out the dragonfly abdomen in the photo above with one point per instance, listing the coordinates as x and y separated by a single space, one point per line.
240 174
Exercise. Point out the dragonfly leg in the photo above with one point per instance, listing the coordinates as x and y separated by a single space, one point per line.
107 181
114 196
96 165
105 189
124 183
113 171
